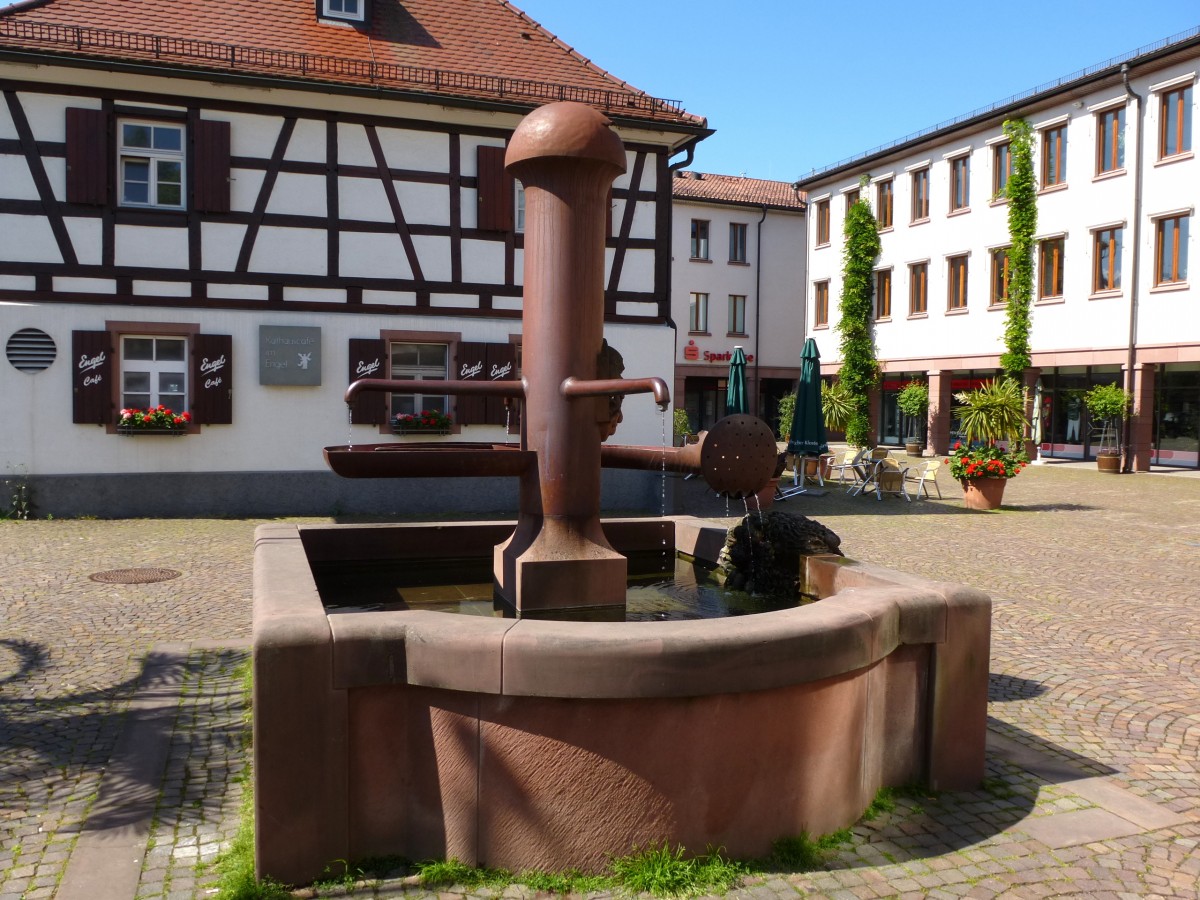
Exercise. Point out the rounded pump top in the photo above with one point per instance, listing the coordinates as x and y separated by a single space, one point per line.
571 130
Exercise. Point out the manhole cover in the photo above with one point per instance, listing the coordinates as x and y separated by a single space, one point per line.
134 576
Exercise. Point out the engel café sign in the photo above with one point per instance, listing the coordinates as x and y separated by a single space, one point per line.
692 353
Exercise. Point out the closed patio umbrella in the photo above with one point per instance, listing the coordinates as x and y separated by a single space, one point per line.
735 393
807 437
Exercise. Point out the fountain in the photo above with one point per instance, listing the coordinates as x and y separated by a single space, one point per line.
536 741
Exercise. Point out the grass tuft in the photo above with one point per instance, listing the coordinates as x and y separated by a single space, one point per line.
451 871
663 872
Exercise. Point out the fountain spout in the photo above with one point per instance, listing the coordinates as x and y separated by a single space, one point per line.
575 387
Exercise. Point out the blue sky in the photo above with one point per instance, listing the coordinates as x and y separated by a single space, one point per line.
793 85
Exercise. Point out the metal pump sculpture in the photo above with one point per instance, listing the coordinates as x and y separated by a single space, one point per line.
566 157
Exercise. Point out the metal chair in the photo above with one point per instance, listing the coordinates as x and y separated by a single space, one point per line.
801 476
888 477
850 462
923 476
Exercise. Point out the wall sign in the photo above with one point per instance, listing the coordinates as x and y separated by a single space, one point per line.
289 354
692 353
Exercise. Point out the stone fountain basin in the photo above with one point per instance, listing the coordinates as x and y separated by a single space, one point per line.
543 744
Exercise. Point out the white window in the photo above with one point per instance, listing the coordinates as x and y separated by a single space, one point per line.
519 206
418 362
150 164
343 9
153 372
698 314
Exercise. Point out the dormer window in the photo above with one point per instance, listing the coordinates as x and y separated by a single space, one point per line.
344 10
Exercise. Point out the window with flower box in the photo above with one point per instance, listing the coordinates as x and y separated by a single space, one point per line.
418 362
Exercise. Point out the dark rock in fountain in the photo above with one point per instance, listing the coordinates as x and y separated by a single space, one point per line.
762 553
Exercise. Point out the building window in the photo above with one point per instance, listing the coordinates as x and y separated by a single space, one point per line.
1001 168
956 271
698 314
1054 156
519 206
737 314
352 10
737 242
852 197
960 183
418 362
1000 276
1170 250
1110 140
1050 271
918 289
699 239
154 372
822 222
883 294
883 204
151 164
920 195
1106 256
1175 122
821 304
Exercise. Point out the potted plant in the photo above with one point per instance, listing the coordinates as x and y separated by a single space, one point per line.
428 421
681 426
1108 405
988 415
154 420
836 406
913 401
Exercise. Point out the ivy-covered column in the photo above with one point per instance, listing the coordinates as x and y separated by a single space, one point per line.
860 370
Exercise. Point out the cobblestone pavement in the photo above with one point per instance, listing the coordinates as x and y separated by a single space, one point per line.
1093 782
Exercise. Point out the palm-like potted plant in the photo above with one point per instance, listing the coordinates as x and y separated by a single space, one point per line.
990 414
913 401
1108 405
681 426
836 406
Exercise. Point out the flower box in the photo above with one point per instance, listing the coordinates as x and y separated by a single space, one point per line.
410 429
429 421
155 420
134 430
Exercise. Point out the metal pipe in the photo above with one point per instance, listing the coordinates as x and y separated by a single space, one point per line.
509 388
1135 243
573 387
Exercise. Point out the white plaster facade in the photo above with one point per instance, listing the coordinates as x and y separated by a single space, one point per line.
770 281
1081 334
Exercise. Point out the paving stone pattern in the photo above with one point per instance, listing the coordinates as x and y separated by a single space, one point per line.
1095 713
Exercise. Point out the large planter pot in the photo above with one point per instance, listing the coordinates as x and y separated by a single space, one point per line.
983 493
1109 462
810 466
914 448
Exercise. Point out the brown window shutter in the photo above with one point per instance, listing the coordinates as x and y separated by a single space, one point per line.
211 178
368 359
88 171
495 190
471 366
212 379
501 366
92 378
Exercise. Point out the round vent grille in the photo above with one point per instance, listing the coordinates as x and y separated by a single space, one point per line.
31 350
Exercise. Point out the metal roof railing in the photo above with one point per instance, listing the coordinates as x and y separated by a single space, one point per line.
233 56
1049 86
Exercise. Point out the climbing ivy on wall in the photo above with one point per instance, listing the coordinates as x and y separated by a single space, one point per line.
860 369
1021 191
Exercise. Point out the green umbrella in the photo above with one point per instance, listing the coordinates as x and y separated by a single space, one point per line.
807 436
735 393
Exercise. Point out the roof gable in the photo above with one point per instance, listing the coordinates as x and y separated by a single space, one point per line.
736 190
473 49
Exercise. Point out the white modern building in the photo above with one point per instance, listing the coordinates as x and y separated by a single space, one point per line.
238 209
737 279
1118 181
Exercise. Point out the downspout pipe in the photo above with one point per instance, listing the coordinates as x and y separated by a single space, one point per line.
1135 243
758 313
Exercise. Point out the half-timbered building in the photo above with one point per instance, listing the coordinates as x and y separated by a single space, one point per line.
236 208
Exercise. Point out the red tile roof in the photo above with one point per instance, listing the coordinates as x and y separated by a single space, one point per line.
473 49
737 190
